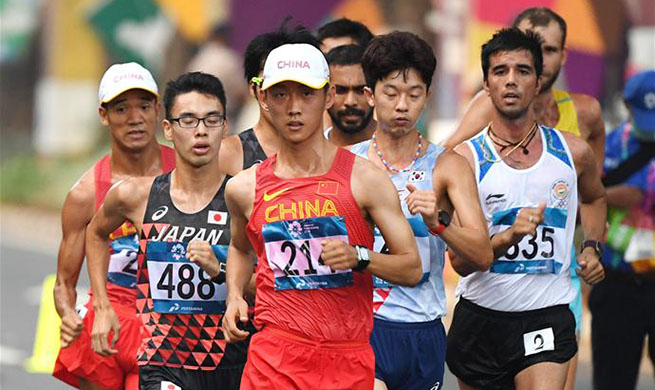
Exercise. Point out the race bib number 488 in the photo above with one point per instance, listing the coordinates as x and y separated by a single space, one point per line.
293 249
180 286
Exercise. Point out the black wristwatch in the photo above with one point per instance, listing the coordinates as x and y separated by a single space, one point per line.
444 221
220 278
597 245
363 259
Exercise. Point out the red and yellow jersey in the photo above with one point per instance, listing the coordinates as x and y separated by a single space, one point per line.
124 241
296 292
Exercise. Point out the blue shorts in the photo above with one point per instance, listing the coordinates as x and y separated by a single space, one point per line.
409 355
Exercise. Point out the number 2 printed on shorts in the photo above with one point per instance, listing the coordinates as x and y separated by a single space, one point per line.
539 341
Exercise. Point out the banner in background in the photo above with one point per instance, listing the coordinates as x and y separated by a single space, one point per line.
18 21
133 31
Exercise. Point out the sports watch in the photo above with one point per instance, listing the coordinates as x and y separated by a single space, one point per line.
444 221
220 278
363 259
597 245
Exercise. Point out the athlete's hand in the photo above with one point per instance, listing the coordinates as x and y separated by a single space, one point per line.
338 255
105 321
201 253
527 220
591 270
71 327
425 203
235 313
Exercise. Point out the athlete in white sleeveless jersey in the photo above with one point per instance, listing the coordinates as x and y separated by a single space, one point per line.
533 273
512 326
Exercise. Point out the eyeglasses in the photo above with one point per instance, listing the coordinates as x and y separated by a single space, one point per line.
191 122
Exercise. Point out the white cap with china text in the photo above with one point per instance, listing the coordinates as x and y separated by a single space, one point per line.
123 77
299 62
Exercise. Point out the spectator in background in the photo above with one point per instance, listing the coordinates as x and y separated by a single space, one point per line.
217 58
623 306
343 32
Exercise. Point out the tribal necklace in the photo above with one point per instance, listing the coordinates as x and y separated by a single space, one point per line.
386 163
515 145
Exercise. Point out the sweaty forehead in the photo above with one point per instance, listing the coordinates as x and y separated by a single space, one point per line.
196 103
403 79
330 43
346 72
510 57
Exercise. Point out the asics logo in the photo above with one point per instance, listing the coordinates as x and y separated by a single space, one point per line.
269 197
159 213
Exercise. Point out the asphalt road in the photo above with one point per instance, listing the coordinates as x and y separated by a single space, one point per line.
22 271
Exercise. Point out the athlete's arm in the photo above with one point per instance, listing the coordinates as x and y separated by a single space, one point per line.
591 118
230 159
477 117
593 207
527 220
376 195
75 215
123 202
239 195
454 184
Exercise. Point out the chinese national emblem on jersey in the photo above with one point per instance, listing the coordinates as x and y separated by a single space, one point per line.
559 193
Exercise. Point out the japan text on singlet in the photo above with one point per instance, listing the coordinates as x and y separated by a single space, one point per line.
534 273
295 291
180 307
427 301
124 241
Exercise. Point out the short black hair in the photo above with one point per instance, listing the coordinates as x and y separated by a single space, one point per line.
513 39
398 51
193 81
259 47
541 17
345 55
345 28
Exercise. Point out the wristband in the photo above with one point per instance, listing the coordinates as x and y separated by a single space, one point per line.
220 278
436 230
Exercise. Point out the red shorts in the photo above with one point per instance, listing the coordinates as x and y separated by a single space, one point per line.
281 360
119 371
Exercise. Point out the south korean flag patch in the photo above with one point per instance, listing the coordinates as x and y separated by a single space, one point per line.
416 176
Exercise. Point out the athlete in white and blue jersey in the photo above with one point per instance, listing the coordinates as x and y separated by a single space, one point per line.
533 273
408 337
427 301
512 326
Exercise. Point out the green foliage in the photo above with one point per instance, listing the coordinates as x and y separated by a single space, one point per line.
27 180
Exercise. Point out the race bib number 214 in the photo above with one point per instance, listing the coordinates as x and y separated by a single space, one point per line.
293 250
